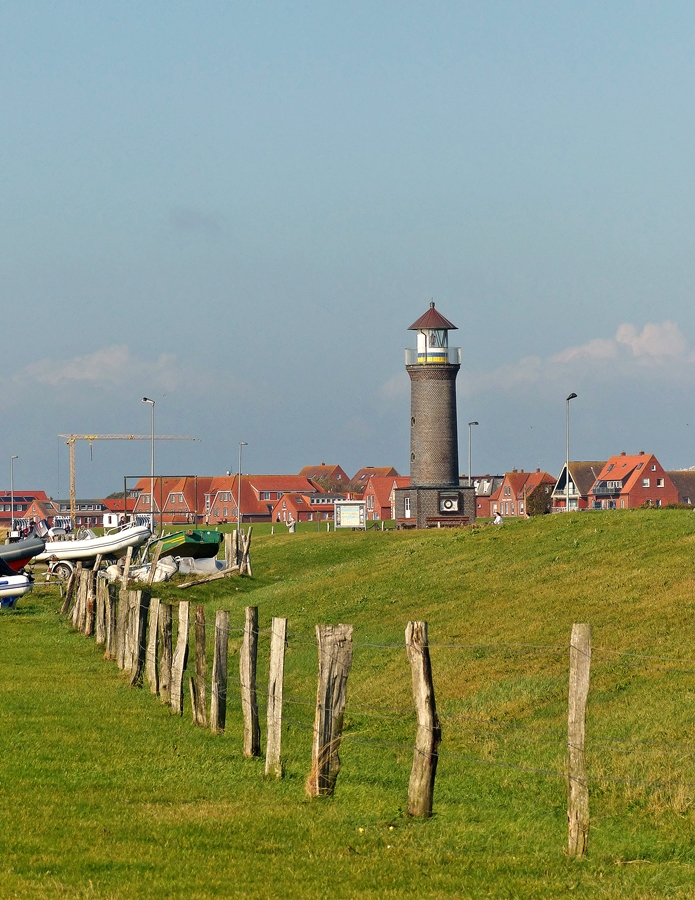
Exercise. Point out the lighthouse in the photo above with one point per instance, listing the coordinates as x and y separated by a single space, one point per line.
435 497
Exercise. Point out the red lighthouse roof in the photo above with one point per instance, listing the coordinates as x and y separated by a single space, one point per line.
432 319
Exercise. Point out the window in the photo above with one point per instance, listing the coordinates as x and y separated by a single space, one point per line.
507 491
659 482
224 512
639 466
622 502
658 502
521 508
407 507
216 512
370 501
266 495
653 468
645 482
609 468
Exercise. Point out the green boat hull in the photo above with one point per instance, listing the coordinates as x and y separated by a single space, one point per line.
193 542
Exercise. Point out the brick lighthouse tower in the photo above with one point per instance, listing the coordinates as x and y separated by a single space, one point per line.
435 497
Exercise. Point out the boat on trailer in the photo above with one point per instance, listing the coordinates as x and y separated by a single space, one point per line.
12 585
87 546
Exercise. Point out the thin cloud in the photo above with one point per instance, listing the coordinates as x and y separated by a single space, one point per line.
659 350
112 366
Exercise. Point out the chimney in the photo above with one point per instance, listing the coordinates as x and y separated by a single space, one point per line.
538 469
522 470
641 453
514 470
623 453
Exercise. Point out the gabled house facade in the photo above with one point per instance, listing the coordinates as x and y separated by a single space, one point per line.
486 487
379 497
628 482
582 477
513 496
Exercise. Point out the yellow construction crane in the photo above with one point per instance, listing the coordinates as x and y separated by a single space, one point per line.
71 438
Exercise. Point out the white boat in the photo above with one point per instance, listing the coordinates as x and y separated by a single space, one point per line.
12 585
90 546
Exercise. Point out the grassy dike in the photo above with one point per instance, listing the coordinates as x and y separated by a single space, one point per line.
104 794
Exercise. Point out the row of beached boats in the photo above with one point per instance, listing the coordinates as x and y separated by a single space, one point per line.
61 552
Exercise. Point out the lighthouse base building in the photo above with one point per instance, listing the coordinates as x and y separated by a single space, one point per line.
436 497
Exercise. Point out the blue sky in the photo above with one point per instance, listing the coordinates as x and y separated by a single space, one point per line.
238 209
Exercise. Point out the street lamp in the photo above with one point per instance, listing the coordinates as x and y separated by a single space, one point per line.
238 499
572 396
12 459
148 400
470 424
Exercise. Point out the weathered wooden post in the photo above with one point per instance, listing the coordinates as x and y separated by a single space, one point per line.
69 591
245 564
235 547
335 660
126 567
429 731
197 683
165 638
141 607
247 675
180 658
111 599
100 616
91 597
122 619
273 751
152 660
79 610
153 564
577 781
218 701
229 555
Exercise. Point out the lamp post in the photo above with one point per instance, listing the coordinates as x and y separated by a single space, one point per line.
572 396
470 424
238 500
152 524
12 459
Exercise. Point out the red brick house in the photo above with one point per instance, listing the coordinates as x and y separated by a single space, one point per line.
627 482
379 497
486 487
259 494
311 506
27 505
510 499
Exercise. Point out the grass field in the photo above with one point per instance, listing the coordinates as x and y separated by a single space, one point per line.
103 794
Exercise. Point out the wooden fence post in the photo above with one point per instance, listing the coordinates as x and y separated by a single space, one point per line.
69 593
121 627
153 564
111 600
180 659
165 659
100 616
429 731
218 701
197 683
141 608
126 567
229 557
91 597
79 610
247 675
152 660
577 782
273 751
335 660
245 564
235 546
